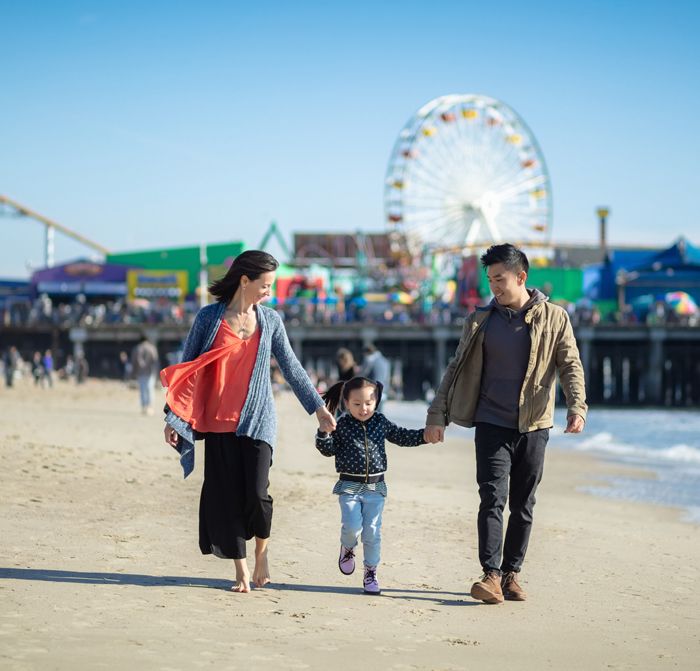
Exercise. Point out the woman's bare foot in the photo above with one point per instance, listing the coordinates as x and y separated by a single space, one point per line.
242 576
261 574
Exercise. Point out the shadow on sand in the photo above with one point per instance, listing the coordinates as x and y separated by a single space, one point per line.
140 580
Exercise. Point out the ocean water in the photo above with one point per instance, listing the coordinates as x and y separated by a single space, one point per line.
666 442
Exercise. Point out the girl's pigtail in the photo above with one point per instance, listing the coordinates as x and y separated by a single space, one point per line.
379 387
332 397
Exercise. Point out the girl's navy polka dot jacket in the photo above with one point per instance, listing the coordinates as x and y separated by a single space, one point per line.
358 446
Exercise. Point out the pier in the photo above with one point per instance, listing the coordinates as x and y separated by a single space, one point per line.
624 365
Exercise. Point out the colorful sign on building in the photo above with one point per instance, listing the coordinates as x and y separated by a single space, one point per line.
155 284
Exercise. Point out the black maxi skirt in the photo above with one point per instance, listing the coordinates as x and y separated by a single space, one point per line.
234 505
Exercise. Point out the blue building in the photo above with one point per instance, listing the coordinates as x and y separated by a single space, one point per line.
674 269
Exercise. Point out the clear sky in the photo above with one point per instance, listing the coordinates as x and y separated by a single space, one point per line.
144 124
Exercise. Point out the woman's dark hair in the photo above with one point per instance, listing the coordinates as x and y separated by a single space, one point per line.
252 264
342 390
510 256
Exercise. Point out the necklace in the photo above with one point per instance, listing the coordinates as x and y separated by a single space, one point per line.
242 324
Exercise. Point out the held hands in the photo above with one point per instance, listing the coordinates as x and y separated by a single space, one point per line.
326 421
574 424
171 436
434 434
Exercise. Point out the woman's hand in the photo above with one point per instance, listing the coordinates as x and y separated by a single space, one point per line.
326 421
171 436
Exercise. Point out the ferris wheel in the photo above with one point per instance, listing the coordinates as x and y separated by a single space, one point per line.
466 171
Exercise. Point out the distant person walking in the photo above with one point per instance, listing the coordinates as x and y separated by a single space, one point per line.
127 368
145 364
68 371
221 392
502 381
37 368
347 368
48 367
82 368
376 366
11 360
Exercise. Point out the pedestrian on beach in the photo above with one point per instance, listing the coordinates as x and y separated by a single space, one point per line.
37 368
358 445
82 368
221 392
127 368
48 367
347 368
68 371
376 366
145 365
11 362
502 381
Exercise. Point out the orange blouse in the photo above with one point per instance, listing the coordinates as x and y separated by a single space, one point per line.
210 391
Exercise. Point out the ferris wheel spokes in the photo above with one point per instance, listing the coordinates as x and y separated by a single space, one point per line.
520 188
466 170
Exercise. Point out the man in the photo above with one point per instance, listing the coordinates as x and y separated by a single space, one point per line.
12 361
145 365
82 368
376 366
48 367
125 363
502 381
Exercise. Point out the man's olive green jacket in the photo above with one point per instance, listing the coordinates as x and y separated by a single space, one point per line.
553 348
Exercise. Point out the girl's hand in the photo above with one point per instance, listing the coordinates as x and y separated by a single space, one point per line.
326 421
171 436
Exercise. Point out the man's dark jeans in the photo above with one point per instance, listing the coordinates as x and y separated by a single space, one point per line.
502 453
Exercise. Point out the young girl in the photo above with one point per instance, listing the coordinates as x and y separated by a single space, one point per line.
360 459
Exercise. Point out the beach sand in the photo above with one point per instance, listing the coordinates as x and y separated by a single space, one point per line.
101 566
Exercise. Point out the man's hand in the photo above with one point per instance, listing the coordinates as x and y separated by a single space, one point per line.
434 434
574 424
171 436
326 421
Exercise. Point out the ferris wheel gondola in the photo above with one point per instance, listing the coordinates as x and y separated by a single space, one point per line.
466 171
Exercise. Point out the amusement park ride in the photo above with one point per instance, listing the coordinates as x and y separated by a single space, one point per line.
466 172
11 208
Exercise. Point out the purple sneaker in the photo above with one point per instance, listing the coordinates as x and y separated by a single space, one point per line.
346 562
371 584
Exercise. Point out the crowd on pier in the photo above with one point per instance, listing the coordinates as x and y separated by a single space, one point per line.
307 312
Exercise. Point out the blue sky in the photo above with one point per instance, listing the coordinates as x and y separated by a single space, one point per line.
144 124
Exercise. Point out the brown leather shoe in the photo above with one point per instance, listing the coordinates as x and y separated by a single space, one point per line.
511 590
488 589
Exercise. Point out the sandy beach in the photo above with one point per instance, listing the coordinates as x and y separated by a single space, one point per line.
101 568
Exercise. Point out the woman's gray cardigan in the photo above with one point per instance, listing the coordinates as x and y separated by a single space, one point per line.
258 418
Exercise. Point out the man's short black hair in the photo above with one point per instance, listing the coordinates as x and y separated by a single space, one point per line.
510 256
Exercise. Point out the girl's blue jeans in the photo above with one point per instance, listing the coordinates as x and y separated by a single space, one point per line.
361 516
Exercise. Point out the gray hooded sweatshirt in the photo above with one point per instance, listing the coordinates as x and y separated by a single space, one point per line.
506 351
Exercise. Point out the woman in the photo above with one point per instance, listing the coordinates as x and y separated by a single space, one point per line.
222 393
347 368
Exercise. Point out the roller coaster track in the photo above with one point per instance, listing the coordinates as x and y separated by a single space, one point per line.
20 210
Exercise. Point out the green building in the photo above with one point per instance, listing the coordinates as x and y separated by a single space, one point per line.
219 257
557 283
